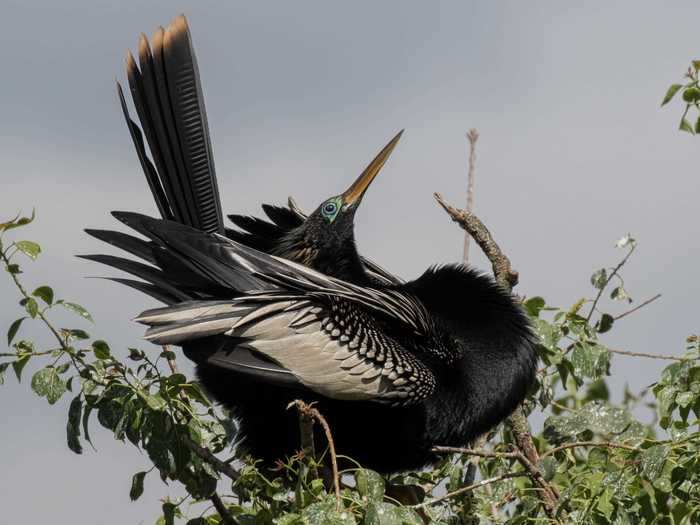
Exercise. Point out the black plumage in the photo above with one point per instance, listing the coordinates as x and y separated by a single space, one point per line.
287 308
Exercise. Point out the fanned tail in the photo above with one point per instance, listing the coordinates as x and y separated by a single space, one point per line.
167 95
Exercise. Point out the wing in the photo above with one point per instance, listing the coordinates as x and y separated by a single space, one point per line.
338 339
167 95
331 346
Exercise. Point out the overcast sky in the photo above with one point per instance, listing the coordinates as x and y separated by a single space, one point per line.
574 153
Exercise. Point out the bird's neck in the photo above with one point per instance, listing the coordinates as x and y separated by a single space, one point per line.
338 259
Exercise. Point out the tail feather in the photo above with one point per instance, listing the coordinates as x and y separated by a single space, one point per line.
142 271
168 98
147 288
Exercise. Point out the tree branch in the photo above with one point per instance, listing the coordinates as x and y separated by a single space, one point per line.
502 269
651 356
472 136
508 278
638 307
469 488
589 444
218 465
226 517
309 411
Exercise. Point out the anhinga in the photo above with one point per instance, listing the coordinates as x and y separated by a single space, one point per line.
288 309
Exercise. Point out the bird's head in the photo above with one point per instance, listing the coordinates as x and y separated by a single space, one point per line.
327 236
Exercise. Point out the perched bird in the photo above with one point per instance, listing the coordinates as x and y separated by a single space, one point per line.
288 309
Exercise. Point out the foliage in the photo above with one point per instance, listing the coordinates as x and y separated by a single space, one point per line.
690 93
600 461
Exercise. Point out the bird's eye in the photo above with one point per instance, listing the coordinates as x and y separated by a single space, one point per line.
329 209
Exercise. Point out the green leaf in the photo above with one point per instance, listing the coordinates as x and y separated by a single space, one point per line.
620 294
12 332
101 349
670 93
86 419
137 485
590 360
135 354
45 293
73 426
691 94
325 513
626 240
599 278
155 402
652 461
169 513
75 333
19 364
47 383
685 126
16 223
382 513
605 323
31 306
29 248
534 305
369 484
76 308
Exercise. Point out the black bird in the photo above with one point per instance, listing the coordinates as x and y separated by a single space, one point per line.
395 367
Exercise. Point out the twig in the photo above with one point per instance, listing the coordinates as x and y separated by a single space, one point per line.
648 301
588 444
469 488
607 281
651 356
171 360
39 314
472 136
502 269
226 517
218 465
474 452
310 411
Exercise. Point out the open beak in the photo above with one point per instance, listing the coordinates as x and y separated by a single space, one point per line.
353 195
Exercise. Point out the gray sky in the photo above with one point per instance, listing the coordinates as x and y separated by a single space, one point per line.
574 153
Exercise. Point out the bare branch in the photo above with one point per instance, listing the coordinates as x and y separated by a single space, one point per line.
651 356
469 488
588 444
472 136
638 307
218 465
502 269
508 278
226 517
308 410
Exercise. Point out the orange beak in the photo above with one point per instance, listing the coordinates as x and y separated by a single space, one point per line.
353 195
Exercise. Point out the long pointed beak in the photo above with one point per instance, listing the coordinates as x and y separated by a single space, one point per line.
353 195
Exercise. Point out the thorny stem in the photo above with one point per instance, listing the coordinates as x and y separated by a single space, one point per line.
308 410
